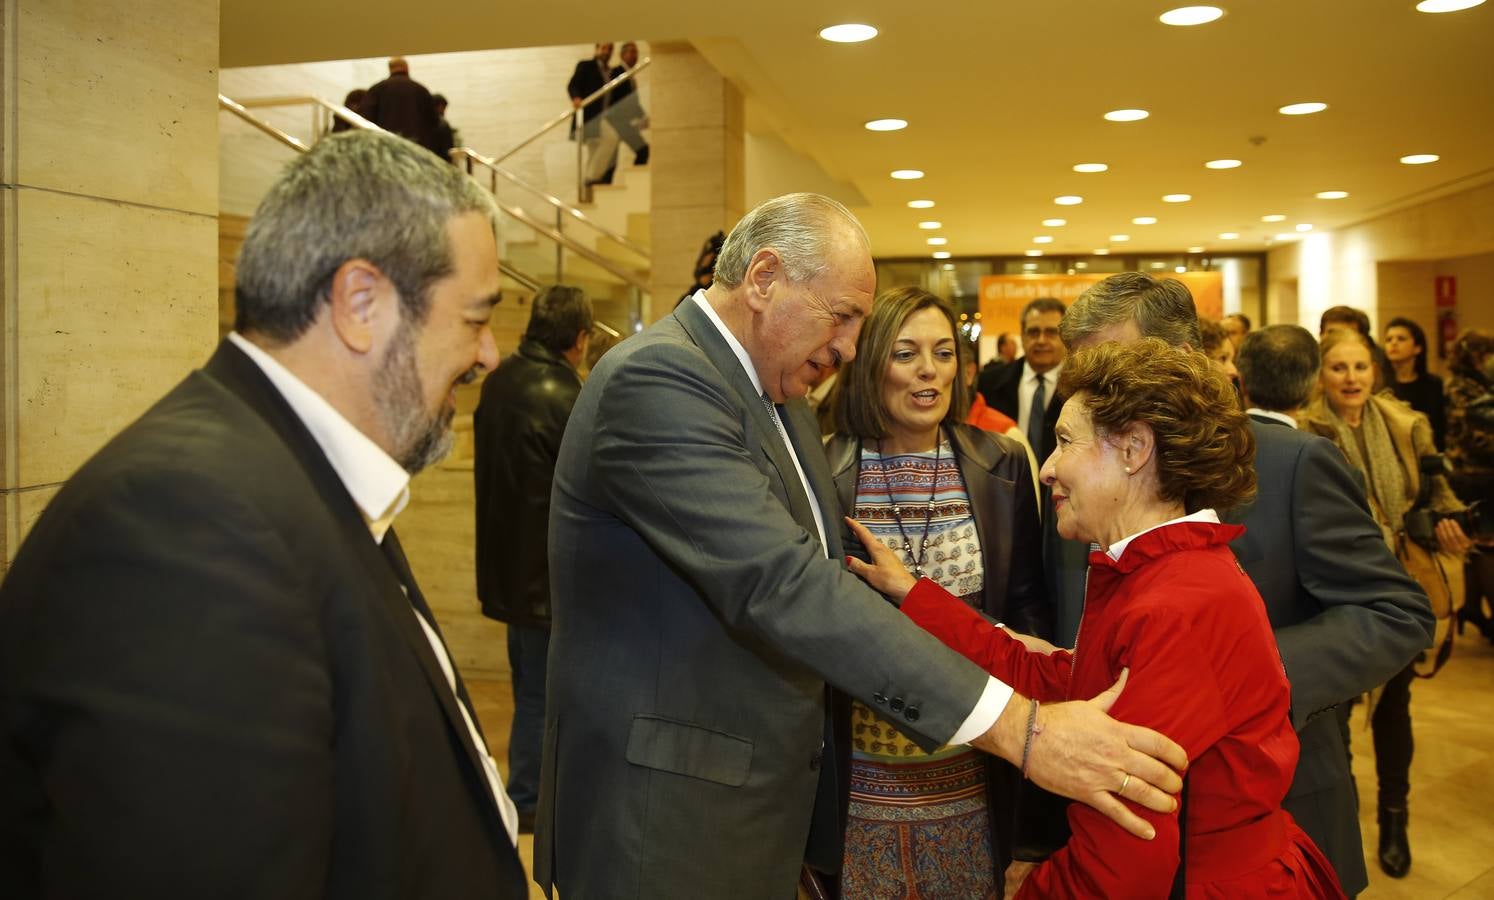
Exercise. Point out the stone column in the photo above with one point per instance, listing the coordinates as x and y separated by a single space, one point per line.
109 205
696 163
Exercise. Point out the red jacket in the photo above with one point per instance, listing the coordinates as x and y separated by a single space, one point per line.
1178 611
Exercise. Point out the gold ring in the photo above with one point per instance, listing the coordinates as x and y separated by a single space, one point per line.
1124 782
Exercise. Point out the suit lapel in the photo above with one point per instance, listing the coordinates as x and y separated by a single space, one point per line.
388 572
703 332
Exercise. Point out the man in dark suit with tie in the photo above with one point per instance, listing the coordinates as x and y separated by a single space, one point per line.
1345 614
700 603
218 677
1025 389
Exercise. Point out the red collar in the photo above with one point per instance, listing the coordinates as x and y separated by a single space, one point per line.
1164 540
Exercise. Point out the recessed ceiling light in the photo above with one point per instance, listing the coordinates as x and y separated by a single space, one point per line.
1191 15
1091 167
1420 159
1289 236
930 226
1055 223
942 254
1118 238
1302 109
1043 239
1304 227
886 124
850 33
1331 195
1228 235
1176 198
1180 269
1144 220
1034 253
938 241
1446 6
1030 267
1223 164
907 174
920 204
1126 115
1101 251
1081 265
949 267
1159 265
1068 200
1194 250
1274 217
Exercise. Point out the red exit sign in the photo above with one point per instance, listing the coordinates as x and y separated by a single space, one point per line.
1447 290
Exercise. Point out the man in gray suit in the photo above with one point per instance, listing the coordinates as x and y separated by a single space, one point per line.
1345 613
700 603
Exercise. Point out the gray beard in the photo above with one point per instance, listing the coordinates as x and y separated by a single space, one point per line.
419 440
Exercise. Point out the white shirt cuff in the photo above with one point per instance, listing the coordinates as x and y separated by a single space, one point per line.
988 709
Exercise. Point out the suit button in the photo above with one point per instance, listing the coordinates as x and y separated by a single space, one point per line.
814 761
912 714
897 704
880 698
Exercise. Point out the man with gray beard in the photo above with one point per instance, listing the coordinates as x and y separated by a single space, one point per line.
218 677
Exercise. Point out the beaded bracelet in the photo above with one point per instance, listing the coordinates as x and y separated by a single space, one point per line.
1033 730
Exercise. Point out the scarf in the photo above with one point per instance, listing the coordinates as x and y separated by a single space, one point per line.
1387 482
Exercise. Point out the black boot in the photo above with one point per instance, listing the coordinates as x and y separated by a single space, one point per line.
1395 850
641 157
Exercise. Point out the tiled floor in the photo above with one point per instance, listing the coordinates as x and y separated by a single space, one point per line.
1452 779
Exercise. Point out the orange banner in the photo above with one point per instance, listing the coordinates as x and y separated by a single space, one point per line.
1003 296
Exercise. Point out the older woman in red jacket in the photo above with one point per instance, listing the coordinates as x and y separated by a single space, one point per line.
1150 442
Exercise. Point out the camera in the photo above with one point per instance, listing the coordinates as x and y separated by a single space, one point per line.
1477 521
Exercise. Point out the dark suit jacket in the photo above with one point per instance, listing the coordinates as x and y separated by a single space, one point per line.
516 431
212 684
1003 395
695 623
402 105
586 80
1345 613
998 481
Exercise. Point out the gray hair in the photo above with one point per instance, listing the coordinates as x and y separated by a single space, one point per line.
1161 308
356 195
1278 366
799 227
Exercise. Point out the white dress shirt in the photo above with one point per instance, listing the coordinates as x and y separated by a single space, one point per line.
381 489
1203 515
1028 386
997 694
1281 417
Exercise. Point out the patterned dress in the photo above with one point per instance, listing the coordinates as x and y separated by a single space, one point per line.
918 825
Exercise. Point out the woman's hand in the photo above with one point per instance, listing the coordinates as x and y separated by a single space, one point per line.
1451 539
886 572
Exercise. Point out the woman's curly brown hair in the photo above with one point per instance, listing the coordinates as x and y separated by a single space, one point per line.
1204 446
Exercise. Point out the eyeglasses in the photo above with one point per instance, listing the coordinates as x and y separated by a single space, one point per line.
1033 334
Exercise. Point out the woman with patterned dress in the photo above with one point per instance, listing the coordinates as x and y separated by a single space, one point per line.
1149 443
957 505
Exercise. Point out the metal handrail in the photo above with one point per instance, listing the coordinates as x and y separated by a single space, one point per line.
568 114
239 110
523 280
472 156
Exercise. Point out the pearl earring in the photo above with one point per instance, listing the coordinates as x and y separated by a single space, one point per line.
1128 470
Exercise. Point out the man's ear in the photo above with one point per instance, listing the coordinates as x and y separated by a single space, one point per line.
763 269
362 302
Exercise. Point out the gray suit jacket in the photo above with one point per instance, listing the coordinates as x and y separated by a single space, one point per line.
1345 613
696 621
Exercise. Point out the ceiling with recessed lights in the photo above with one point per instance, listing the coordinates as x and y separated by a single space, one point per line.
1003 101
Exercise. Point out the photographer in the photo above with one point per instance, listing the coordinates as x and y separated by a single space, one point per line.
1386 440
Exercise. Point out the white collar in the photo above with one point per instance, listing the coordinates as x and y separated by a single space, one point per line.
1049 377
379 485
731 340
1272 414
1203 515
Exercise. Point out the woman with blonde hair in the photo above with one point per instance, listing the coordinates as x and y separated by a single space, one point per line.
1387 441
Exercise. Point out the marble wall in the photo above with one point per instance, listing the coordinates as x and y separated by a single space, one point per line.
109 204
